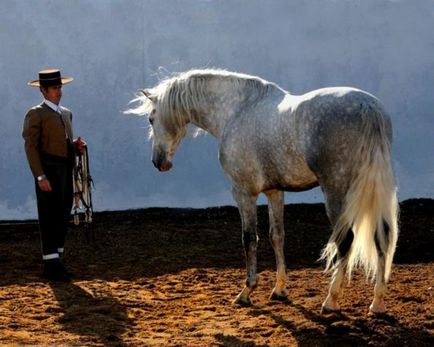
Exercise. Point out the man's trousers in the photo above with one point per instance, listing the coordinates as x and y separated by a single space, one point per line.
54 208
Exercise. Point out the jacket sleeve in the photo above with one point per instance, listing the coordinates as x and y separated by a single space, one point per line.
31 135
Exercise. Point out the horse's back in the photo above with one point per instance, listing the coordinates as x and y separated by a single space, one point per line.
333 117
291 142
331 122
259 151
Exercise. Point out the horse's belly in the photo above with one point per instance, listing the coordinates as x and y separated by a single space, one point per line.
261 170
294 178
256 178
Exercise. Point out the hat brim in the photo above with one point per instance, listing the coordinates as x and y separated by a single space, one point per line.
64 80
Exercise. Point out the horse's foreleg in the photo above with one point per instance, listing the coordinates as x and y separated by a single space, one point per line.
277 238
247 207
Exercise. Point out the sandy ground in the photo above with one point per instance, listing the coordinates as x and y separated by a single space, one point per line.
166 277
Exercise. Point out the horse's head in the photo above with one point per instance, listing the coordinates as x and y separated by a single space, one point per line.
166 132
170 106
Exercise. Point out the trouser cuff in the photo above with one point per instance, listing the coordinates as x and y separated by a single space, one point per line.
50 256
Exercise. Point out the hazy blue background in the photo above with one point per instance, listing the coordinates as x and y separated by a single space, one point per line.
113 48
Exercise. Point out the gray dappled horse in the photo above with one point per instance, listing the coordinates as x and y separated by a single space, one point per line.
271 141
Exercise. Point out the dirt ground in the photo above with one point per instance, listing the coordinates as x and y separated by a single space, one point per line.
166 277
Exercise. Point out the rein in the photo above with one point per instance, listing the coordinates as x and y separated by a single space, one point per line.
83 184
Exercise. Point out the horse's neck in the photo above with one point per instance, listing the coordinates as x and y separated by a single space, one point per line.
222 103
213 117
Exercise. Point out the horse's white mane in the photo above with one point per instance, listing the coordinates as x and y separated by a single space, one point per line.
178 95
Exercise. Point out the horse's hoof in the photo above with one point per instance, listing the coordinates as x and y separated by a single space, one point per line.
325 309
377 310
277 297
242 301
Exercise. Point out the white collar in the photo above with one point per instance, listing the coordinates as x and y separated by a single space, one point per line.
53 106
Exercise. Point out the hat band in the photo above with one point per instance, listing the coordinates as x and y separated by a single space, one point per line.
49 79
48 82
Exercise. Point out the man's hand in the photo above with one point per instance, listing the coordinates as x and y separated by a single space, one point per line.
45 185
80 145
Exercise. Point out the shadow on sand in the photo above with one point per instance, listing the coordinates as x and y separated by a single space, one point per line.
100 319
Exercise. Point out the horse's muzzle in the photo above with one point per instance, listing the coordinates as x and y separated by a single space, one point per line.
162 165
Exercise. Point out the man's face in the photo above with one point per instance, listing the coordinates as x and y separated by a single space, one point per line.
52 93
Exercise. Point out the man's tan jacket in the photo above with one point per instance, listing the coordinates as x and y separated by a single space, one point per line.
45 132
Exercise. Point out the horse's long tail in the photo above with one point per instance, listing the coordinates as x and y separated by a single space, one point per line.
370 209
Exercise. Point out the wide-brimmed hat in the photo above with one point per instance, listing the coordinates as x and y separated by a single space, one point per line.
50 77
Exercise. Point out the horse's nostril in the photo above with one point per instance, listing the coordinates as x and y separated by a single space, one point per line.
166 166
155 164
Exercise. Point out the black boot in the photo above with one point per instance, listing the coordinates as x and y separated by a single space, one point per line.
66 271
54 271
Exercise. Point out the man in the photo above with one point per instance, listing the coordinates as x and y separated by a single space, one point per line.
50 151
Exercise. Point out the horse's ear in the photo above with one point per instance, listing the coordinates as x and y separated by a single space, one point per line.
147 93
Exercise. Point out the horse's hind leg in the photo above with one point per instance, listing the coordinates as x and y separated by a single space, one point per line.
377 305
277 238
334 198
336 285
247 207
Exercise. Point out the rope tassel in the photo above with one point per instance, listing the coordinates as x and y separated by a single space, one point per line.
83 184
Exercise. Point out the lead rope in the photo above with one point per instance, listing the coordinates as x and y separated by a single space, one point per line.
83 184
